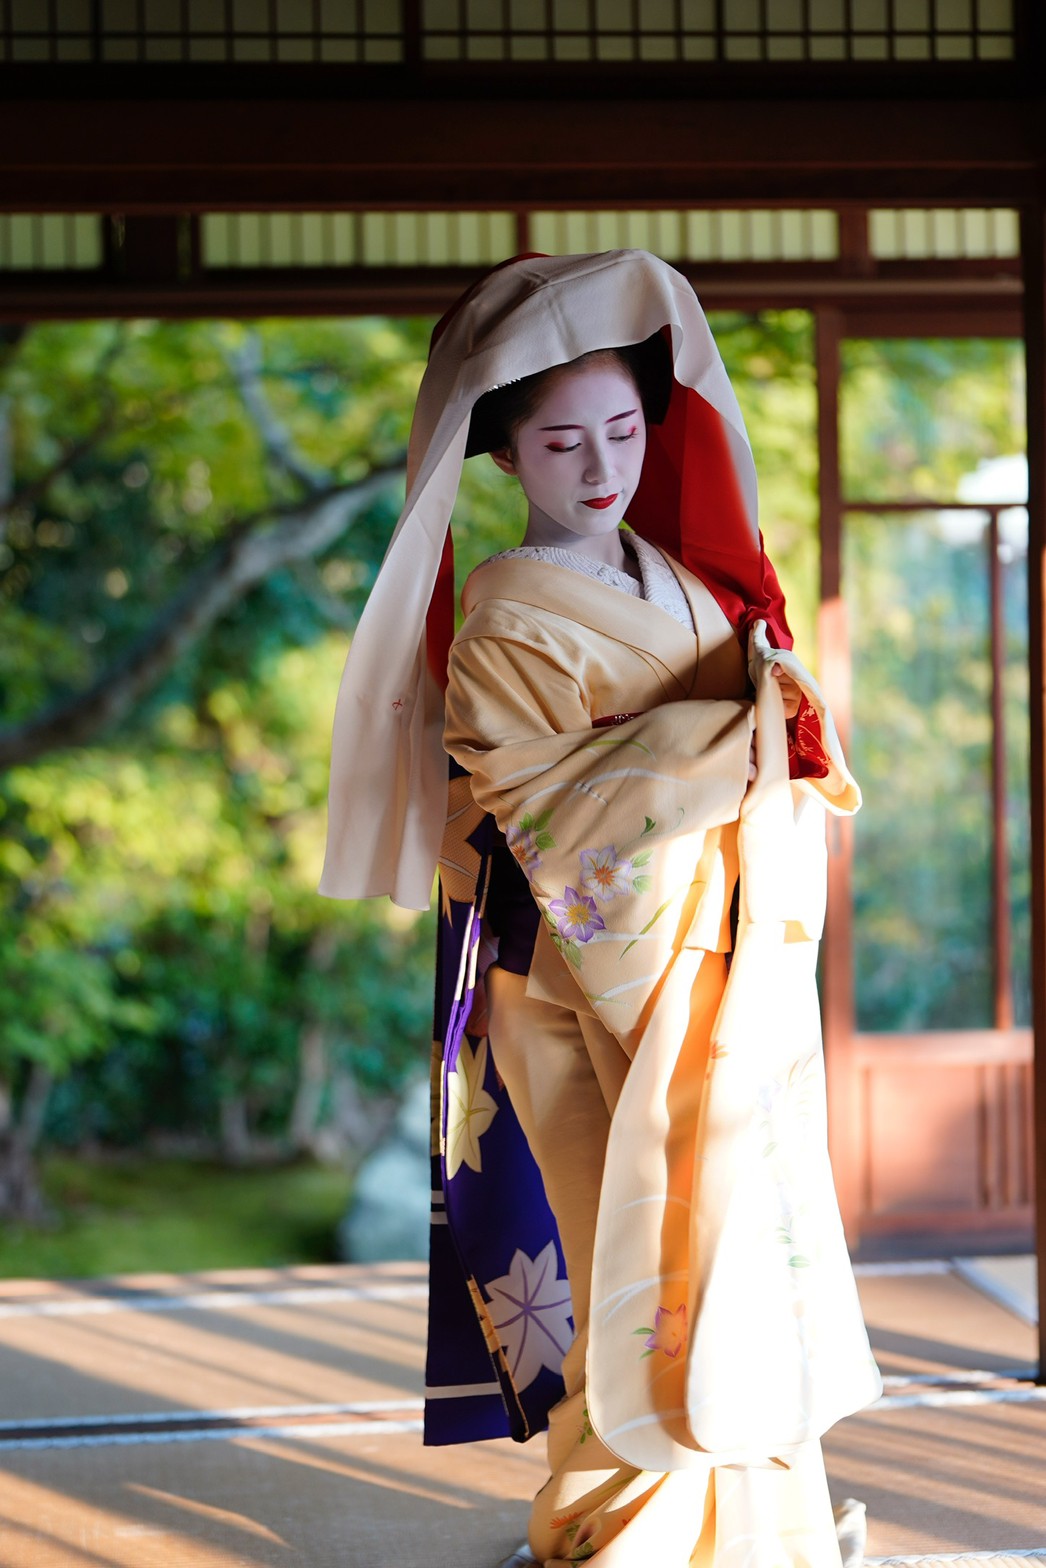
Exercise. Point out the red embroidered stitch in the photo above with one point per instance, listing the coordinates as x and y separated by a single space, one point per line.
807 758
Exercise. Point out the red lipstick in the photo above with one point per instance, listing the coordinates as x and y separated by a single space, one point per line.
601 503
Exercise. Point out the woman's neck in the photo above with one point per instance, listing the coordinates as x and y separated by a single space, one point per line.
607 548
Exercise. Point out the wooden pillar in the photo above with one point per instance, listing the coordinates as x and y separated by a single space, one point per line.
1033 252
157 248
837 990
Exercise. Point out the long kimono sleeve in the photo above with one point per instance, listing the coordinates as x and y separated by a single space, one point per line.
621 831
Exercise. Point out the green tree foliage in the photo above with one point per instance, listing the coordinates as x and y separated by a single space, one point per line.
922 748
162 947
917 414
770 360
166 956
166 964
916 417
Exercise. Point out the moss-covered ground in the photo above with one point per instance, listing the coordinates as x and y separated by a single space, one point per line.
138 1215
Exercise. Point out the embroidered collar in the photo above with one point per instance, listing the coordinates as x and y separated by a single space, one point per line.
659 585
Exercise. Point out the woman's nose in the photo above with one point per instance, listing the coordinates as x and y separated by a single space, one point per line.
599 465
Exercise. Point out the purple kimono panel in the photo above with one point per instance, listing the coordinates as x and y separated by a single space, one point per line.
464 1400
494 1227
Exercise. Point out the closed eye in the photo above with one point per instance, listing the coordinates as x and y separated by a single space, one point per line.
557 446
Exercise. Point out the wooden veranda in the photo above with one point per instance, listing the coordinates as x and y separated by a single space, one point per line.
272 1418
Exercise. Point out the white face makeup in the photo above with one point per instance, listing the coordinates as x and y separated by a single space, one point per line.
579 457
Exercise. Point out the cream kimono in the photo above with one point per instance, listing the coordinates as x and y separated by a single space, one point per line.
684 1154
670 1089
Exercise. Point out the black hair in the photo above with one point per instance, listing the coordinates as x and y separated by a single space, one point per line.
497 415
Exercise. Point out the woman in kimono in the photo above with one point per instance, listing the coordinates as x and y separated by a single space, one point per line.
635 1235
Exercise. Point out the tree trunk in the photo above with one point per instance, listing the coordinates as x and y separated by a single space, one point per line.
234 1128
303 1127
20 1194
252 550
312 1084
361 1120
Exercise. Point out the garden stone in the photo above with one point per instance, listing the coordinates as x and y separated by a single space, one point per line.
388 1217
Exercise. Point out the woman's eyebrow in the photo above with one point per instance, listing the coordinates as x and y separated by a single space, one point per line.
612 420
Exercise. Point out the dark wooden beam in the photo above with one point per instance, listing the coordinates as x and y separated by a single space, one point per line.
153 156
440 81
1033 246
947 301
943 318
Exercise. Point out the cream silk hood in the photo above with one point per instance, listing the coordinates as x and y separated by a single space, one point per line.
388 784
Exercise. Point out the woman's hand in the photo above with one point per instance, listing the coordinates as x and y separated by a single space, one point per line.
790 692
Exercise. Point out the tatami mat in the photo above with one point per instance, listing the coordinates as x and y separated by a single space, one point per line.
1011 1281
272 1420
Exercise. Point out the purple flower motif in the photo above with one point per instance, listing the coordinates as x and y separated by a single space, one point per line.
576 917
668 1333
604 874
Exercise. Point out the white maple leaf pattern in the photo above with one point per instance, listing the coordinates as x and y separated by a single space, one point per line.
470 1109
530 1308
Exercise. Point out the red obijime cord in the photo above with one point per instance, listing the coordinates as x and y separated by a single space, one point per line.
614 718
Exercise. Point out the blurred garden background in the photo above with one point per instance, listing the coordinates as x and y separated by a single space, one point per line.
196 1051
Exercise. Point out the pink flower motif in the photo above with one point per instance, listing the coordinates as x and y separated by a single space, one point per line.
576 916
528 839
522 843
668 1333
603 874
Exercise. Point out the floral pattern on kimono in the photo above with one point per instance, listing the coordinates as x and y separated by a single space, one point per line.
737 1277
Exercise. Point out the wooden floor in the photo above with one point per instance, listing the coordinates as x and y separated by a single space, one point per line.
256 1419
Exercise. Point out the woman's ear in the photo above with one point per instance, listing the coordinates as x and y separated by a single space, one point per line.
503 458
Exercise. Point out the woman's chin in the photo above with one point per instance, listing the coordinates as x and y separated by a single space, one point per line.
574 526
591 522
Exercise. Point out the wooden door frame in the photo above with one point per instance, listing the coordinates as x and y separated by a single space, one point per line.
845 1124
846 1058
1033 254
